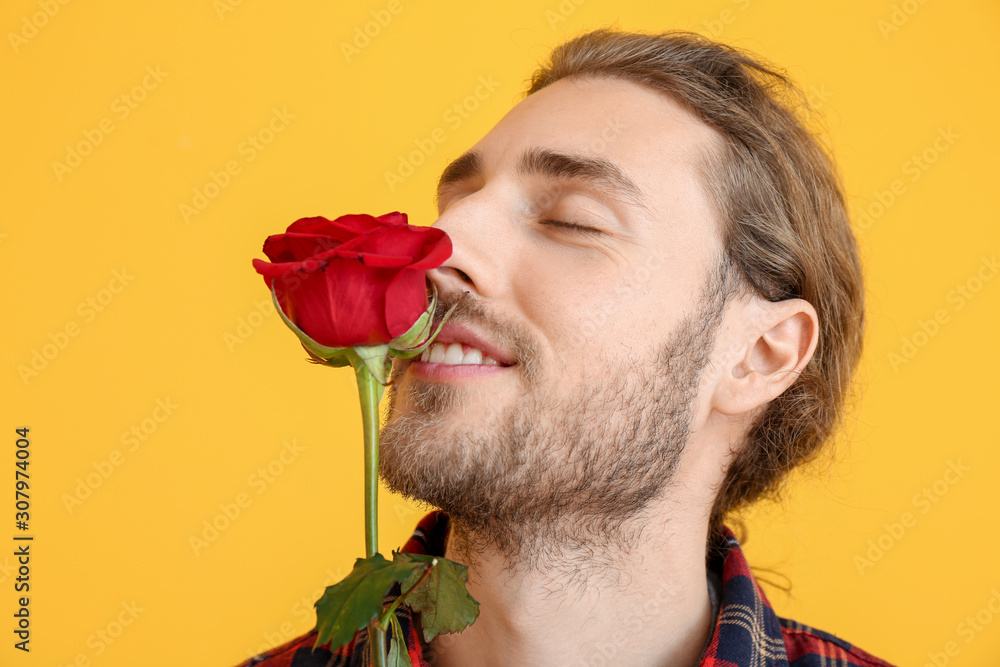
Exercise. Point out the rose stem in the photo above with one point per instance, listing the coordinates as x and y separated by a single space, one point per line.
371 393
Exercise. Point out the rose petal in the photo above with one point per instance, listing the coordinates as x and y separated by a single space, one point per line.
405 301
342 305
297 246
313 225
394 241
394 218
355 280
265 269
276 250
352 223
375 260
358 223
272 270
436 249
371 259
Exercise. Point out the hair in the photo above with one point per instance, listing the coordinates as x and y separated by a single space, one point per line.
784 225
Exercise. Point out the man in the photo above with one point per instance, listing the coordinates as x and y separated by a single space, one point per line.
660 307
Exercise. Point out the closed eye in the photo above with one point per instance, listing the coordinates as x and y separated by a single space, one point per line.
572 226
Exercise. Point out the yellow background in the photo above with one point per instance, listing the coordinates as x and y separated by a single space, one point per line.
191 325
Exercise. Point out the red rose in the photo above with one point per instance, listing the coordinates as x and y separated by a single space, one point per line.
357 280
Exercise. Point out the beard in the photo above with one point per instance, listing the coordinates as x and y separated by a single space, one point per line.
570 465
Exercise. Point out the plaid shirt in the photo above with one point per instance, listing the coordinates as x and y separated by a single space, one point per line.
746 632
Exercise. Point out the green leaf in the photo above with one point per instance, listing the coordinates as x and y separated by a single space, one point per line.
399 656
350 604
442 599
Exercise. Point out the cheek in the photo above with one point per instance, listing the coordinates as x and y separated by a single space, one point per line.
578 309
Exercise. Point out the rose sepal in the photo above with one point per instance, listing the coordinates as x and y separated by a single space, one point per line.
421 334
375 359
418 337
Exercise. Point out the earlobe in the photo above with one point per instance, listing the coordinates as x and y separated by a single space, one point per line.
780 338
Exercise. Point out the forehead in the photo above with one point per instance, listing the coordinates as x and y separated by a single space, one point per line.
650 137
584 104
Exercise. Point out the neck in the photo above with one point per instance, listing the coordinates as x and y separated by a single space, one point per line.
640 599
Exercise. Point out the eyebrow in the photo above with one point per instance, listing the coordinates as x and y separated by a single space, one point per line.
599 172
467 166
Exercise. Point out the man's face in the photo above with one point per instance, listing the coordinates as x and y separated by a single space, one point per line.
583 242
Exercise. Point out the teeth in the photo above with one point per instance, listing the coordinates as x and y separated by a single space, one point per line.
437 354
453 354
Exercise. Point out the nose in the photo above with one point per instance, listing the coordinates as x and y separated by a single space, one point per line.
477 240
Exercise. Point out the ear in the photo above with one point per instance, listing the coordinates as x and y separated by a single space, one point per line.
778 340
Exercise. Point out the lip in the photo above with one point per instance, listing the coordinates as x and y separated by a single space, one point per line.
431 371
456 332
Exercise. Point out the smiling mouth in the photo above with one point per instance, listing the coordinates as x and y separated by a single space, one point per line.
457 354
